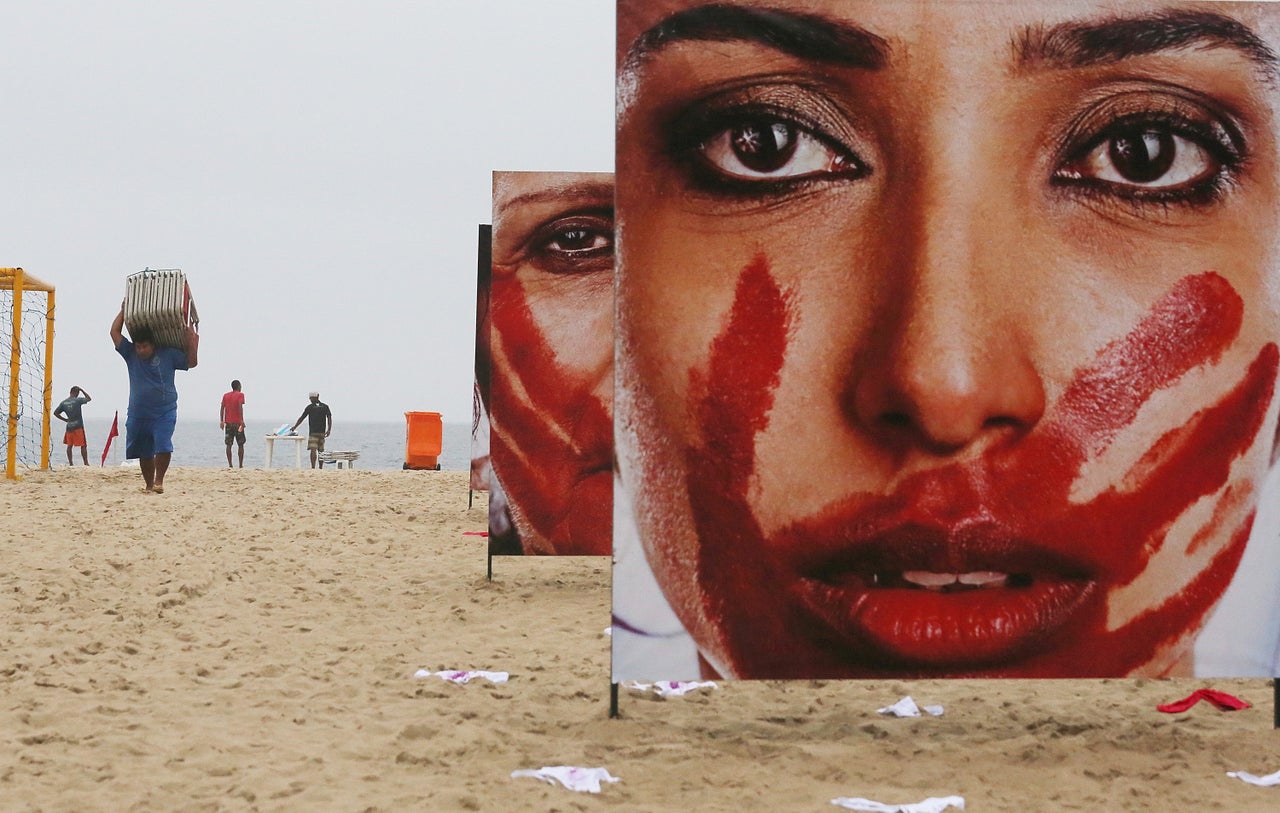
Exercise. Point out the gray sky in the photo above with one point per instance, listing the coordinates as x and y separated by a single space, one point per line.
318 170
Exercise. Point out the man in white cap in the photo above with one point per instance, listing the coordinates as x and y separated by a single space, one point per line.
320 423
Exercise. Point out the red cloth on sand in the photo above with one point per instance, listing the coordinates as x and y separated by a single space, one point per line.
1222 700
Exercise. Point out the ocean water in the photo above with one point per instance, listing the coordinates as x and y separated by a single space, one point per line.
200 443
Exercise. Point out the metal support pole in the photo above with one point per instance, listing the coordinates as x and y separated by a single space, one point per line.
15 354
613 700
45 432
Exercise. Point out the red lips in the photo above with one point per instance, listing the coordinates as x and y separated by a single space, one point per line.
920 630
928 597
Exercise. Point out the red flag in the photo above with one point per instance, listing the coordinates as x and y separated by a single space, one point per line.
115 430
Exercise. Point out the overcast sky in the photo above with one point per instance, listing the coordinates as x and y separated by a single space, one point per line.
318 170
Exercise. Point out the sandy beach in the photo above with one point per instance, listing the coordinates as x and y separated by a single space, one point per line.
248 642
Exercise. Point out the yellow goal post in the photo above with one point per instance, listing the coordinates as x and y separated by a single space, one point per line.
27 319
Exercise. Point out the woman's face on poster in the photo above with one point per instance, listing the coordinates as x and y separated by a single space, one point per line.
551 354
947 331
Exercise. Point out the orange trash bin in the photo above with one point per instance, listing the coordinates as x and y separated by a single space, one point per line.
424 437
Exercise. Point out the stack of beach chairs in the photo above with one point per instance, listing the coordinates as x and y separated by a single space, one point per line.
349 458
160 299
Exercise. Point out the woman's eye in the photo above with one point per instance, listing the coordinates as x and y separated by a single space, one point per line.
574 245
1144 157
578 240
771 148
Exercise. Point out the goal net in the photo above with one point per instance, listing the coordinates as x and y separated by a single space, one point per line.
26 376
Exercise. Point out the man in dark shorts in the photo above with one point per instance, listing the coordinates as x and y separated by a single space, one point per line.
153 398
231 420
69 411
319 424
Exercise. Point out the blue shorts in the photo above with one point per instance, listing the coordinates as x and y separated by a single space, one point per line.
146 437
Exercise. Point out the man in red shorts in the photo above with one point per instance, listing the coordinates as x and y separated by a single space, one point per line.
69 411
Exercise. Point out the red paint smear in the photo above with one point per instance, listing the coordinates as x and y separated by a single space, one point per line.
1236 497
746 360
1190 326
1011 502
564 489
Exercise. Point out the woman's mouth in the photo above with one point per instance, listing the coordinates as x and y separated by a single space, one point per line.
926 598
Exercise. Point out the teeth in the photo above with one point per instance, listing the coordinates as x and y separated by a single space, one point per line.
939 581
984 578
930 580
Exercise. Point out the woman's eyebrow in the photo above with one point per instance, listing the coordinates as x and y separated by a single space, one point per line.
1081 44
805 36
592 191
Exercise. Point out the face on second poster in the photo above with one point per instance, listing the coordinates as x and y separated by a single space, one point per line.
550 348
947 335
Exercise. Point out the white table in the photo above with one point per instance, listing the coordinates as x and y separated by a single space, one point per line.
299 443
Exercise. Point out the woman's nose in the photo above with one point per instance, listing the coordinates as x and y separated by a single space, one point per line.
949 360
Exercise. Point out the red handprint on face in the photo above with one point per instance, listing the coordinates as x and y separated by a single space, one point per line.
552 437
1025 579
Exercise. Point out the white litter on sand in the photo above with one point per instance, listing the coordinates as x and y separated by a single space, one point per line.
933 804
463 676
906 707
580 779
1270 780
671 688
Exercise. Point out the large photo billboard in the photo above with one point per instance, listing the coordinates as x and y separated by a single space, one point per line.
550 363
946 339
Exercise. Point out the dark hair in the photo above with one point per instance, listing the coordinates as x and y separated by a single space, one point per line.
75 391
235 384
142 333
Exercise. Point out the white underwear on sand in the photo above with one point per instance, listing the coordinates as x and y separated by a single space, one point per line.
464 676
906 707
931 805
579 779
1267 781
671 688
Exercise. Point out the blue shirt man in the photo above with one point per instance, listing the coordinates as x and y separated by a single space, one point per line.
153 397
